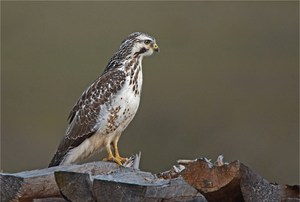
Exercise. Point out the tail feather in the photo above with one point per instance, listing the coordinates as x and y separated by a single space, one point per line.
57 159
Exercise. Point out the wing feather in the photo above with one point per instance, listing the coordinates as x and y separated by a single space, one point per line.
84 115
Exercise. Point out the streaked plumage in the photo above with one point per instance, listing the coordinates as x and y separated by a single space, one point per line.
108 105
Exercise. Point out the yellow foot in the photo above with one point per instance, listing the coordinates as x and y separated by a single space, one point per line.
121 159
113 159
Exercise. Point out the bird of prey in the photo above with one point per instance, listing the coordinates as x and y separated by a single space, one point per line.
107 106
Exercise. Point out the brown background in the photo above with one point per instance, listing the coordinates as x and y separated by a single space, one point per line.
225 81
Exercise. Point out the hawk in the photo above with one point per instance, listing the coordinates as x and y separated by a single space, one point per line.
107 106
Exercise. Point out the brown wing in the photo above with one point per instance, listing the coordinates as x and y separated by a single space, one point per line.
83 117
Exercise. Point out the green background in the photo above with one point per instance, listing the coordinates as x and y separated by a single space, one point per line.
225 81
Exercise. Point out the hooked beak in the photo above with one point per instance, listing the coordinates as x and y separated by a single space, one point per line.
155 47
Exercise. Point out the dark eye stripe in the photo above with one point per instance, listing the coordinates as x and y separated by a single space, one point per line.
142 50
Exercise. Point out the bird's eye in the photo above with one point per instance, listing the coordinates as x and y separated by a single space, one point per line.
147 42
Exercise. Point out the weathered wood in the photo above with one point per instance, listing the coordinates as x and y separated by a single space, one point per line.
25 186
74 186
50 200
215 182
290 192
190 180
124 184
132 185
256 188
231 182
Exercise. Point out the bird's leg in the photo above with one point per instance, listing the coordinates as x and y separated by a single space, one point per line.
109 152
117 154
111 156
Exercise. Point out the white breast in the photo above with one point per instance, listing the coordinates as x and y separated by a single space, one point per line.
128 100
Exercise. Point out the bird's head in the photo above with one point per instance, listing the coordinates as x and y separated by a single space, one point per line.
136 45
139 44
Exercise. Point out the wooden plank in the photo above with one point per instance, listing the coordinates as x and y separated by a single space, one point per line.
217 181
190 180
41 183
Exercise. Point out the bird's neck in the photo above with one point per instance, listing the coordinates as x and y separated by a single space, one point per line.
118 61
132 64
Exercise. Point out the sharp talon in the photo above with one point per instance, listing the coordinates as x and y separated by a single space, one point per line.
118 162
121 159
113 159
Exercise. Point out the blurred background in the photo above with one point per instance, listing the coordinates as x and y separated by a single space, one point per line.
225 81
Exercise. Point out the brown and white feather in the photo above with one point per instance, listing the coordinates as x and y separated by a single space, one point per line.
107 106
